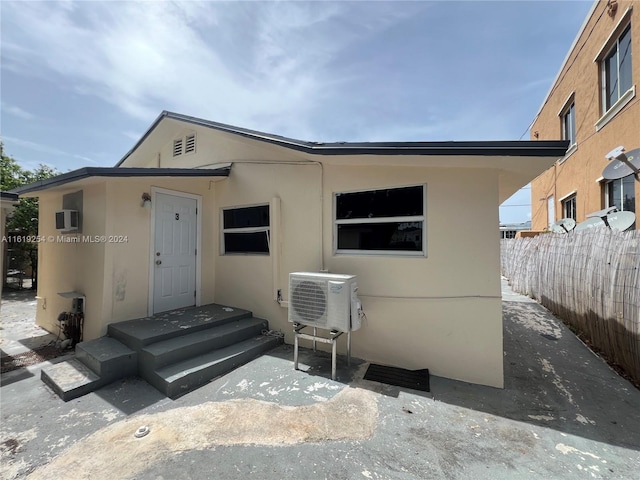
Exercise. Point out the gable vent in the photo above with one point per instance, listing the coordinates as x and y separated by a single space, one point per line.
190 144
177 147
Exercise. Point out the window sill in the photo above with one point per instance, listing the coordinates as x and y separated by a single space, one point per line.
381 253
570 152
616 107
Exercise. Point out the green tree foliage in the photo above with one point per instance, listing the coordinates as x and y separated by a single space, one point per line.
23 221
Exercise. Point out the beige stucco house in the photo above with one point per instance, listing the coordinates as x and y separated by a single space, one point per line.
416 222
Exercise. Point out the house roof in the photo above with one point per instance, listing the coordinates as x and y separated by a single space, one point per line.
88 172
519 148
8 196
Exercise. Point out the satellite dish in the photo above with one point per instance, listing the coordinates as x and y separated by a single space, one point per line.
591 223
622 164
602 213
621 220
563 226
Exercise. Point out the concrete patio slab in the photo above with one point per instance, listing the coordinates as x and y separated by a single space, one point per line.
562 414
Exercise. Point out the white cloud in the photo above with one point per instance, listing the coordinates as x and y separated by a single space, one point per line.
17 112
42 148
130 134
268 66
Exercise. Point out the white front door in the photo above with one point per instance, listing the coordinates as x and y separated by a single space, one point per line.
174 252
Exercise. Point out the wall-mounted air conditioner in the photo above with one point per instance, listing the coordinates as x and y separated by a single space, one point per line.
67 220
324 300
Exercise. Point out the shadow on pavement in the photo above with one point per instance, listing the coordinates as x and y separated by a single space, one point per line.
552 380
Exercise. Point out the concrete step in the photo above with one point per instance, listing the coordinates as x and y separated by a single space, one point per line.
108 358
177 349
137 334
71 379
180 378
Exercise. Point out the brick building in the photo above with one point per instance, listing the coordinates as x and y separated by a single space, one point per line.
593 103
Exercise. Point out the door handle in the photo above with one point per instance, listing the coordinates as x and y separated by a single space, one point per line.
158 262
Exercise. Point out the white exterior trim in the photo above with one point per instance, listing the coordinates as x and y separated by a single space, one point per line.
223 230
615 108
570 151
613 37
570 194
198 199
355 221
567 103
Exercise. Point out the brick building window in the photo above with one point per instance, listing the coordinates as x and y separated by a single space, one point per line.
616 70
569 124
569 208
621 193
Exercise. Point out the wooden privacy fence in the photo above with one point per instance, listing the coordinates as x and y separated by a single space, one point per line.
590 279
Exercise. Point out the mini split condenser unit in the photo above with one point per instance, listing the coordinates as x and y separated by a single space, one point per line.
67 220
324 300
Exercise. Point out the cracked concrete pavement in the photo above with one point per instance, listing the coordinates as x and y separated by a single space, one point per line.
562 414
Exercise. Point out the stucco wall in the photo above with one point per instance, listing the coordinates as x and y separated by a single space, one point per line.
441 312
127 264
113 275
247 281
580 76
409 323
65 265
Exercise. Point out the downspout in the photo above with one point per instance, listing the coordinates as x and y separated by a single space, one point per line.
277 218
322 266
555 188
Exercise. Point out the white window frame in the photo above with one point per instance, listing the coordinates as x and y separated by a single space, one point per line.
606 192
569 114
567 106
565 201
266 229
406 219
610 45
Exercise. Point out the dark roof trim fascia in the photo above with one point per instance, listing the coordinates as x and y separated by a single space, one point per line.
12 197
114 172
539 148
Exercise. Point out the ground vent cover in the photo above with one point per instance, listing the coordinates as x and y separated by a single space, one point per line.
414 379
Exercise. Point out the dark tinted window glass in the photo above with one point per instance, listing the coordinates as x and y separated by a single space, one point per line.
611 79
625 61
570 208
247 217
246 242
59 220
393 202
629 194
381 236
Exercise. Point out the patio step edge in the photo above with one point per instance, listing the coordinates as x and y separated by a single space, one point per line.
71 379
180 378
177 349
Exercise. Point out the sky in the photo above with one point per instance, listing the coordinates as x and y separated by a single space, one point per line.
81 81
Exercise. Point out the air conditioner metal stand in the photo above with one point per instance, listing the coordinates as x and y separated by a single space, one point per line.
332 339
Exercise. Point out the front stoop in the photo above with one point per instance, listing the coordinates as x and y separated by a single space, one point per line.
97 363
179 378
70 379
175 351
